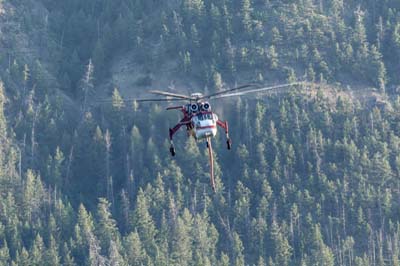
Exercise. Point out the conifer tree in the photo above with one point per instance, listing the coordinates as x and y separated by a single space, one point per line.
135 253
143 222
115 258
272 57
117 101
22 258
4 255
36 256
33 195
3 124
106 228
87 84
282 248
52 257
320 253
237 250
217 81
246 16
181 245
67 258
224 260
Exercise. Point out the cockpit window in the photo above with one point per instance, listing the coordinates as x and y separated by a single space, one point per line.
202 117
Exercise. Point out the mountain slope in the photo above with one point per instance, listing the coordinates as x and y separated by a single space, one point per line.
313 175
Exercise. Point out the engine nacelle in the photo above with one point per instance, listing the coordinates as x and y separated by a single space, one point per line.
194 108
206 106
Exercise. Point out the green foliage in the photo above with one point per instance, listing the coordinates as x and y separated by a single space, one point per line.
117 101
312 179
193 33
301 167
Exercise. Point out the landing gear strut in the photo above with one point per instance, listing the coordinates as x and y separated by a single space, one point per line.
172 150
172 131
224 125
228 143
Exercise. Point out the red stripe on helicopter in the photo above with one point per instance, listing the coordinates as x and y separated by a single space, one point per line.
212 126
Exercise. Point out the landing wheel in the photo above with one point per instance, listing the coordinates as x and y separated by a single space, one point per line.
207 144
172 150
228 144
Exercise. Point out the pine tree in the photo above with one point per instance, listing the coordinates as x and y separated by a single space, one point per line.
117 100
282 248
181 245
272 57
257 238
215 18
205 239
33 195
115 258
276 37
360 36
396 35
194 9
246 16
261 262
242 207
186 61
195 37
224 260
310 73
67 258
4 254
163 242
37 252
4 141
106 228
135 253
22 258
217 81
143 222
87 84
378 70
226 20
87 245
56 167
52 257
237 250
321 254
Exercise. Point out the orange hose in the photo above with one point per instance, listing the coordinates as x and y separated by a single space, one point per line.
210 155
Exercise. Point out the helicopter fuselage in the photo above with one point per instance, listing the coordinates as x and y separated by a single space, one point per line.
198 118
200 121
203 125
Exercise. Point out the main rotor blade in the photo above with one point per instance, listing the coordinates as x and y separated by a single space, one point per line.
156 100
141 100
209 96
276 87
170 94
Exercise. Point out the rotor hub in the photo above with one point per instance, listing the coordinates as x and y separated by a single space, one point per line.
196 95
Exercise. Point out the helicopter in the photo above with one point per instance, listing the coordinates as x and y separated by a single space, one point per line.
200 121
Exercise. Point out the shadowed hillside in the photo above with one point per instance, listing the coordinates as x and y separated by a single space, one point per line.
313 175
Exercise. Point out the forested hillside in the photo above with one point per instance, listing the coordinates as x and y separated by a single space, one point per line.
313 177
345 41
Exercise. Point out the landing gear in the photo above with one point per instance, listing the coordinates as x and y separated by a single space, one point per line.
228 144
172 150
224 125
172 131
